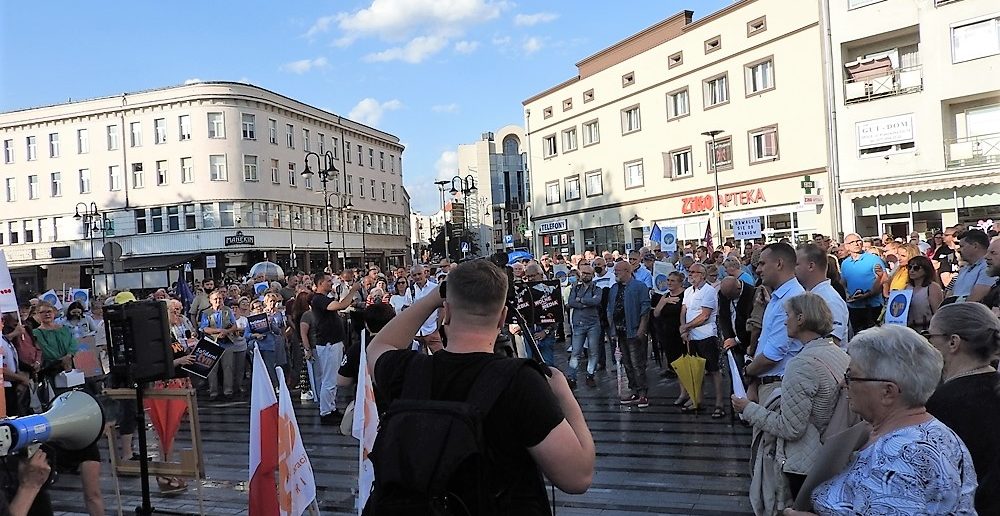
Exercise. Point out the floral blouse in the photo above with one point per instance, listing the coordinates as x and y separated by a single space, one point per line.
915 470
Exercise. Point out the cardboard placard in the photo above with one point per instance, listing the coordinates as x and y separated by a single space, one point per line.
540 302
206 354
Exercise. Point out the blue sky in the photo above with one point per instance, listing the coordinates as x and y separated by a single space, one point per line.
436 73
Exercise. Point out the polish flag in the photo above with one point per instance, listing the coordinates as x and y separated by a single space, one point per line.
296 483
263 442
365 426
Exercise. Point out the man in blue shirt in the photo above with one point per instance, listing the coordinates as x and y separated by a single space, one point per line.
973 282
810 269
640 272
774 348
862 273
628 315
734 267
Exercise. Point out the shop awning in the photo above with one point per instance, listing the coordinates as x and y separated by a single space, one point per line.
940 183
157 262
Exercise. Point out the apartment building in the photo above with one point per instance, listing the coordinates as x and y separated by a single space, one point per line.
206 174
498 213
621 145
917 90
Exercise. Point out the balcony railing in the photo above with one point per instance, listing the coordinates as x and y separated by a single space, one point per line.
896 81
972 151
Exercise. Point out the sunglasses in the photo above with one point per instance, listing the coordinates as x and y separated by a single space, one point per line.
915 267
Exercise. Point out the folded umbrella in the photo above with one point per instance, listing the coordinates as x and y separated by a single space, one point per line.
690 371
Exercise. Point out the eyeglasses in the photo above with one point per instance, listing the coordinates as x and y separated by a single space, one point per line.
927 334
848 379
852 242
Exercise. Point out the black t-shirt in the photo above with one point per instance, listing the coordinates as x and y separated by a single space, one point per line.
946 258
329 328
351 361
522 417
970 406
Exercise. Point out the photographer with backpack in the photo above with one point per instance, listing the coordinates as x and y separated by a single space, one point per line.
464 431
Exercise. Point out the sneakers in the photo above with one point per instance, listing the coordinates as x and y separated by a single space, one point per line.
332 419
630 400
572 383
306 396
642 402
590 381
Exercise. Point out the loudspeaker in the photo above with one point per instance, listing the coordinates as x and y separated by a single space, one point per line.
139 342
74 422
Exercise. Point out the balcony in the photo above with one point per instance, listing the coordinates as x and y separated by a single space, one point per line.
972 151
876 79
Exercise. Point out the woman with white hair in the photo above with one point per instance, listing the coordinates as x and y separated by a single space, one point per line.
968 399
912 463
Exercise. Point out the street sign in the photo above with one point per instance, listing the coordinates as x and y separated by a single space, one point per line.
466 248
210 262
812 200
628 246
807 184
508 240
746 229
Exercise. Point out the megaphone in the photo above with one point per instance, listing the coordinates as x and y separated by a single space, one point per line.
74 422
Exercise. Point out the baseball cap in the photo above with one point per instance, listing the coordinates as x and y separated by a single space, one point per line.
124 297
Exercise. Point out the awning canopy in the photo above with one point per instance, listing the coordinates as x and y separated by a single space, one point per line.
159 262
944 183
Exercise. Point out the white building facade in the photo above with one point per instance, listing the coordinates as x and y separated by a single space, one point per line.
207 174
918 107
620 146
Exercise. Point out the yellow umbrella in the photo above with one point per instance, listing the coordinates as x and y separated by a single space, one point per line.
690 371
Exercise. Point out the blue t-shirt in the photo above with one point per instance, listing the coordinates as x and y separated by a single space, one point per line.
859 276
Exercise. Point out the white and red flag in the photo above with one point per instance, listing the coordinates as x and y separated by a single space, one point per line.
263 442
708 237
296 483
365 426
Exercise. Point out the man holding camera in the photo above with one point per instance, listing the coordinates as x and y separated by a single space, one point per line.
535 424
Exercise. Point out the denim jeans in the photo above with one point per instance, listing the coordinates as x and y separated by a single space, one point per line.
591 335
634 354
546 347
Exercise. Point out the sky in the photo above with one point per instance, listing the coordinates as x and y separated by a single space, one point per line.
435 73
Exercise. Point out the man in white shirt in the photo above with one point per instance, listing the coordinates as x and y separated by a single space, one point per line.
428 335
701 303
810 269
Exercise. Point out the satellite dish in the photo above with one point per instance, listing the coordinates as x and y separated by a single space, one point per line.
268 271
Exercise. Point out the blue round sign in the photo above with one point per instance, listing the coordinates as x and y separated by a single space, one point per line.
661 282
668 238
897 305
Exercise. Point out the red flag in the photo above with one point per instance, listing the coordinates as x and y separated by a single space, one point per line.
263 442
708 237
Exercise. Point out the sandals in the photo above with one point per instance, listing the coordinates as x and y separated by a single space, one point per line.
171 485
719 412
681 401
689 409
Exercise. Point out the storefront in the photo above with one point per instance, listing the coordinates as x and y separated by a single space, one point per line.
928 206
605 238
557 238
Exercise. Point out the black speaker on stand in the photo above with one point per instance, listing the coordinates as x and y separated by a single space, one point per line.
139 351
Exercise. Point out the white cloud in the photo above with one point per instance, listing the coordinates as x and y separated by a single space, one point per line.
322 24
369 111
466 47
445 108
527 20
304 65
501 41
193 80
532 45
446 165
415 51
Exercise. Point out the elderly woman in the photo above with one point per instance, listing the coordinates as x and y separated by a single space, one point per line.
809 392
968 400
912 463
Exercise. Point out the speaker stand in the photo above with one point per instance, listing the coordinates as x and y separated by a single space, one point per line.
146 509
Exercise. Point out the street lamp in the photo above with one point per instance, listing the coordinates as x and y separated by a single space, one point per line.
365 224
326 169
89 214
715 172
291 242
466 187
444 216
344 205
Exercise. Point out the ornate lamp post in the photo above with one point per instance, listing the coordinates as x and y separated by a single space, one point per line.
327 170
90 213
444 216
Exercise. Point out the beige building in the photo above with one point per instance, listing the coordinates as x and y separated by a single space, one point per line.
207 174
620 146
918 107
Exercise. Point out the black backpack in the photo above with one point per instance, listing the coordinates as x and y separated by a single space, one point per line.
431 457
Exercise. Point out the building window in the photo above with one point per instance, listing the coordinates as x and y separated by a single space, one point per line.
291 174
567 104
264 215
305 139
308 182
764 144
249 167
272 131
11 185
161 173
393 193
759 76
591 133
722 157
190 217
248 124
208 219
227 215
372 184
569 139
114 178
187 170
552 193
54 145
184 123
82 141
347 151
633 174
32 187
56 182
361 187
138 178
29 231
547 112
32 148
13 232
160 131
674 60
156 217
381 161
630 120
974 40
140 220
716 90
361 159
8 150
628 79
549 146
679 163
135 134
756 26
112 137
573 188
713 44
371 157
588 96
350 185
216 125
595 183
334 143
290 136
677 104
173 218
217 167
383 192
275 174
392 163
84 176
